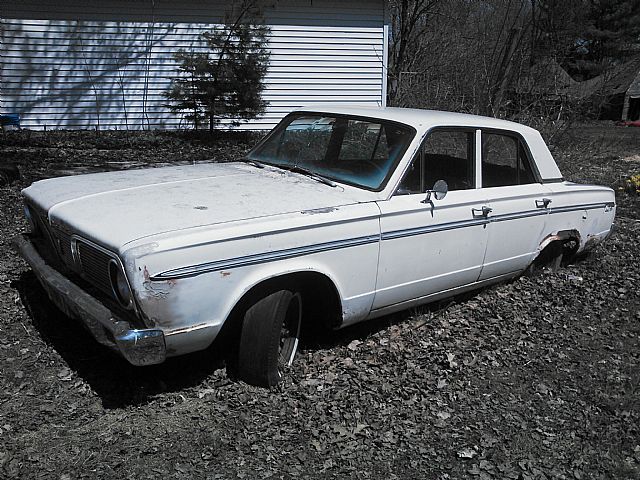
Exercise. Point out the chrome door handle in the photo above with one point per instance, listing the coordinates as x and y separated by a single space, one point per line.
481 212
544 203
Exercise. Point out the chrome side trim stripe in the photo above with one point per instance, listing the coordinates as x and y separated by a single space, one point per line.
353 242
586 206
517 215
263 258
410 232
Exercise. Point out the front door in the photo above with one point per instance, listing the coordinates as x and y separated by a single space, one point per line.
432 247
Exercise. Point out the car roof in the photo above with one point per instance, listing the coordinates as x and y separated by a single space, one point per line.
419 119
424 120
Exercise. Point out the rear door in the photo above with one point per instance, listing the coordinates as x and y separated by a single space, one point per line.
518 200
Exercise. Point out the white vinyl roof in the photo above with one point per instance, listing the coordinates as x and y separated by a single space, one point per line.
419 119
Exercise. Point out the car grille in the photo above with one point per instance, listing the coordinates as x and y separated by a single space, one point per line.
94 266
91 263
63 244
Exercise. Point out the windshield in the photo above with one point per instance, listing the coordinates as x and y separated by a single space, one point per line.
352 150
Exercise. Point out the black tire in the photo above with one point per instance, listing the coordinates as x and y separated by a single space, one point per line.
269 338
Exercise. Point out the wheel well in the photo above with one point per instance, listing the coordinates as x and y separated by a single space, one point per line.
558 247
321 304
320 298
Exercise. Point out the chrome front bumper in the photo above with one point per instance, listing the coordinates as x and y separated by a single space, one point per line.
139 347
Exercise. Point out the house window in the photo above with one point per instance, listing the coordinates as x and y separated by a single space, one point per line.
446 154
504 161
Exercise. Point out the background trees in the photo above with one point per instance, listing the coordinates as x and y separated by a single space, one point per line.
509 57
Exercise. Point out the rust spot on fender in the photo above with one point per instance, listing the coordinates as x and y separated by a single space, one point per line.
225 274
145 273
559 236
317 211
592 241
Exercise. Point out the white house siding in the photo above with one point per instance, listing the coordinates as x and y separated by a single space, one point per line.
82 64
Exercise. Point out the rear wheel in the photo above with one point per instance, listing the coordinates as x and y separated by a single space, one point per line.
269 338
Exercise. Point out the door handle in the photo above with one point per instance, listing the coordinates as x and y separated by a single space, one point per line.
544 203
481 212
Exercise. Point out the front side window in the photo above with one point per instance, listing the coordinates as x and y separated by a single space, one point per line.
445 155
356 151
504 161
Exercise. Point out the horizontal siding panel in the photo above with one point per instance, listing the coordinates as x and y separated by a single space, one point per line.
158 102
61 29
288 65
12 77
140 88
158 71
126 42
337 22
155 84
290 56
278 110
206 10
57 57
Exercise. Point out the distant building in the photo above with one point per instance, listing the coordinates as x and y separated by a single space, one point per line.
74 64
631 109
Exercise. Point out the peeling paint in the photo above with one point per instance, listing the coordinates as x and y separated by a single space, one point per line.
153 289
317 211
592 241
142 250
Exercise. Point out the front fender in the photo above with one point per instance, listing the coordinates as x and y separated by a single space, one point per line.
196 307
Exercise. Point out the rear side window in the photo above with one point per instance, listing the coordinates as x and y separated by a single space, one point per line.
504 161
445 155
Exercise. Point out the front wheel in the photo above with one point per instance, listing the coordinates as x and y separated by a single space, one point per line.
269 338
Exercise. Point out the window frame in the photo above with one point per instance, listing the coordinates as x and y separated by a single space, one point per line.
527 151
284 123
472 152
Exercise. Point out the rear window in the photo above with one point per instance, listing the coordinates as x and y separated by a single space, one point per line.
505 161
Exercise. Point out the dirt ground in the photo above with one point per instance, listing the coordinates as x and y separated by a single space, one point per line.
535 379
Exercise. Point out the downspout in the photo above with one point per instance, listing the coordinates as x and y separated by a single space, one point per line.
385 51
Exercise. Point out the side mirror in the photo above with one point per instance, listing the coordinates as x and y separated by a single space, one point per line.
439 191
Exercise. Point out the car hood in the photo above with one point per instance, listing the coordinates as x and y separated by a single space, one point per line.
116 208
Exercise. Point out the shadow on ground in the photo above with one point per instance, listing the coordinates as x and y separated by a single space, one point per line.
120 384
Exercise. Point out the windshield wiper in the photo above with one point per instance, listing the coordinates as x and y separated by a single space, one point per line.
252 162
297 169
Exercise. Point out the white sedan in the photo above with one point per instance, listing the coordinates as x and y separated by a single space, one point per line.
341 214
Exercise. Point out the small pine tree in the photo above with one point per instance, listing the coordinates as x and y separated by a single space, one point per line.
226 82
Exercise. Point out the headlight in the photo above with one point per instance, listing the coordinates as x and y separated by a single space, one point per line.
29 216
119 284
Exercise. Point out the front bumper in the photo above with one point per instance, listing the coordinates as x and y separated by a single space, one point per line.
139 347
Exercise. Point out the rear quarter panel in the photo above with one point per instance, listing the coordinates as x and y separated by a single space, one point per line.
589 209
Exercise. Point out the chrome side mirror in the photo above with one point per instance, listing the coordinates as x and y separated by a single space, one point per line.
439 191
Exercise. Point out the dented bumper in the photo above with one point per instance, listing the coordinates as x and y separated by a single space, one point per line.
138 346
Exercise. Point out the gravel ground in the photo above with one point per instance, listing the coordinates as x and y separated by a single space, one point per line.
535 379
